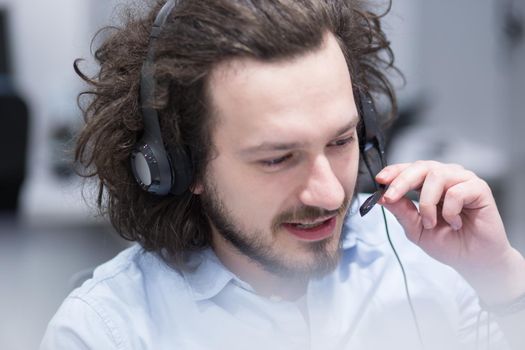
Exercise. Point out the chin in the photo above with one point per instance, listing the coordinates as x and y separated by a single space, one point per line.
313 260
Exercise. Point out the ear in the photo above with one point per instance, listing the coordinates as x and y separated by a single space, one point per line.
197 188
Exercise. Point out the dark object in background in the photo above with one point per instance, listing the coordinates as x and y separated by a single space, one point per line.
62 143
513 23
14 122
4 45
13 143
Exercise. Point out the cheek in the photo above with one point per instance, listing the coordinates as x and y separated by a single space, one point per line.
346 168
249 199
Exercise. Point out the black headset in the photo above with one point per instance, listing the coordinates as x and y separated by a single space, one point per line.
371 141
163 171
158 170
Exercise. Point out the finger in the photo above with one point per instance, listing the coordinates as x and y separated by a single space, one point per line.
437 181
405 211
429 198
464 195
409 178
414 177
390 172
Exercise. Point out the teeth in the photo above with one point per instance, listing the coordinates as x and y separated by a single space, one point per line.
309 225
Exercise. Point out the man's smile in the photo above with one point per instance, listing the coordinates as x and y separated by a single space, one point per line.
313 230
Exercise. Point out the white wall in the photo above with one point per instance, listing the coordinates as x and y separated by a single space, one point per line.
47 36
513 69
460 68
402 27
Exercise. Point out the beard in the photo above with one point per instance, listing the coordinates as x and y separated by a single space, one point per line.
324 254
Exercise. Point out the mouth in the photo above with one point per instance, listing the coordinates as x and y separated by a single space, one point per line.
315 230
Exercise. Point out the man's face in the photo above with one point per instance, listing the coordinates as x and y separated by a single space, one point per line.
286 162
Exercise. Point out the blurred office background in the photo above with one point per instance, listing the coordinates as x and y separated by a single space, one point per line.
464 63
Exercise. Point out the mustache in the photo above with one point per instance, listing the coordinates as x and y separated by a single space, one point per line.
307 213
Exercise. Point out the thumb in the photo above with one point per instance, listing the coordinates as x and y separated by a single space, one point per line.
406 212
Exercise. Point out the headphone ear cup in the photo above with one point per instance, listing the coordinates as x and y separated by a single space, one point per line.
182 169
151 167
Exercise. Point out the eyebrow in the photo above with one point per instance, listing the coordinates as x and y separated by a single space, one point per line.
285 146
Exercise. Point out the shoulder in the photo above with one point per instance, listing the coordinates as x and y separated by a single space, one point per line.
122 296
128 278
80 325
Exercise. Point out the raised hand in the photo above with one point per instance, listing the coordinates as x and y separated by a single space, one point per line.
457 223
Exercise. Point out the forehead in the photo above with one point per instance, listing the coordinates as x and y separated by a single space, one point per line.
255 101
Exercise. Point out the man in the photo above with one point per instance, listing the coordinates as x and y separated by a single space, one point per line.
263 248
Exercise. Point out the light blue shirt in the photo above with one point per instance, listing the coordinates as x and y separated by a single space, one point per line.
135 301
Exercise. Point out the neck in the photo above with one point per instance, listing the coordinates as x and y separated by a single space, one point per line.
264 283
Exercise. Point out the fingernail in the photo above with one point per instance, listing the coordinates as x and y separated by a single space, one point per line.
427 223
391 193
382 174
456 224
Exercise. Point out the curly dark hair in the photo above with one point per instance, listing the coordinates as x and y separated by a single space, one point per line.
198 35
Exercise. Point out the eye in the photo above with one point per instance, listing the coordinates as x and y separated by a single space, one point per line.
276 161
342 142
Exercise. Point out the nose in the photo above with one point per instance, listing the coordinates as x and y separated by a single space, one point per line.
322 187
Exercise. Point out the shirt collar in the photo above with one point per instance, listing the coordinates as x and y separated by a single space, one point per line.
368 230
208 275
